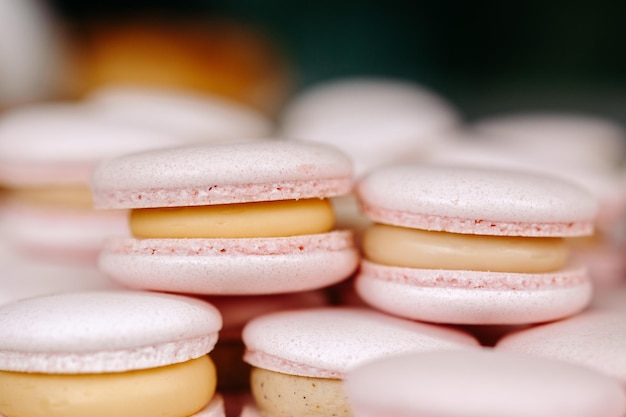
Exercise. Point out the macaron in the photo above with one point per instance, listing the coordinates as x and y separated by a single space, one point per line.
480 383
376 121
468 245
108 353
592 142
202 117
299 358
238 219
47 153
595 339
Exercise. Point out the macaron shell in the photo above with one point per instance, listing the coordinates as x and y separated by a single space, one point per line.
459 297
232 266
201 116
476 201
327 342
62 233
23 277
56 143
591 142
374 120
595 339
94 332
222 174
481 383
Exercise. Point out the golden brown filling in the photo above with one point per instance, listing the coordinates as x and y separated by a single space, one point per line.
178 390
262 219
77 195
413 248
282 395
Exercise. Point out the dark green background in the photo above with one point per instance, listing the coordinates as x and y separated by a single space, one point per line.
485 56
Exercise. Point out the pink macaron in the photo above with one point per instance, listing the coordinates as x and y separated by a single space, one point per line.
472 246
47 153
595 339
376 121
299 358
108 353
480 383
250 218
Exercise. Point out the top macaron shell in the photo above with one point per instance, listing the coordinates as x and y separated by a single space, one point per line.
480 383
374 120
222 174
327 342
204 117
95 332
590 142
595 339
56 143
476 201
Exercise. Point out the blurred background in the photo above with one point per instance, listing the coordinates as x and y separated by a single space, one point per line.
484 56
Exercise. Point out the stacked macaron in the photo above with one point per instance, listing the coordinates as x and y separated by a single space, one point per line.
230 219
472 246
240 219
47 153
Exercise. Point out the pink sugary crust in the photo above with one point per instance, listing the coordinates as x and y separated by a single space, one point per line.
467 305
144 357
333 241
20 174
276 364
221 194
232 266
476 226
475 280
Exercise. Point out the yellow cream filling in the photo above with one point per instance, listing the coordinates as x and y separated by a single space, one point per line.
69 195
413 248
282 395
178 390
262 219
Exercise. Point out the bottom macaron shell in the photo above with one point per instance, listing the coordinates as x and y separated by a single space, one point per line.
62 234
231 266
473 297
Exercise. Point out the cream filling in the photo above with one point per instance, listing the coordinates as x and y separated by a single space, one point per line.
178 390
282 395
245 220
69 195
413 248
